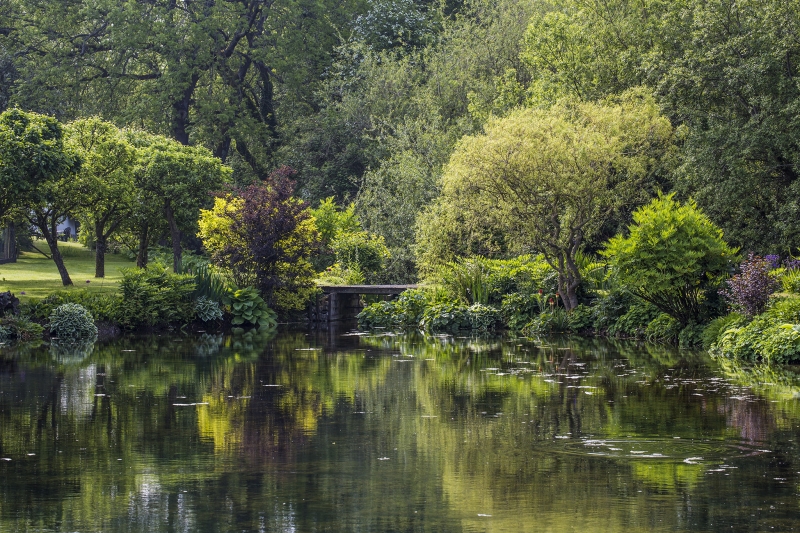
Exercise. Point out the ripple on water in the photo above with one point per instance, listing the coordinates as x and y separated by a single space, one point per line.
690 451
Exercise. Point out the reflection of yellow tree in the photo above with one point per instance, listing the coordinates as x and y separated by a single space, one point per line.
221 413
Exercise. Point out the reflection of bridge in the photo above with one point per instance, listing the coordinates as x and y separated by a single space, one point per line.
343 302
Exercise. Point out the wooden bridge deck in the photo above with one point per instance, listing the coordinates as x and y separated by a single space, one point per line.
343 302
365 289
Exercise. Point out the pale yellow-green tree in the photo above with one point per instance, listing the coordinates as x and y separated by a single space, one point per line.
554 176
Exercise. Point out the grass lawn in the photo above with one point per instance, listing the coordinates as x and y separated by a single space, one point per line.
38 276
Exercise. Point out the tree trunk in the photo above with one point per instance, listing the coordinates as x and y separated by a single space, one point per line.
175 234
100 251
141 255
180 112
51 236
567 291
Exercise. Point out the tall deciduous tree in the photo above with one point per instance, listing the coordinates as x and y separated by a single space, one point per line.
556 175
107 174
209 72
38 175
177 181
725 70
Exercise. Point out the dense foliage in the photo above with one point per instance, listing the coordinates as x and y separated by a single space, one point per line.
555 176
266 237
494 173
153 296
674 257
748 291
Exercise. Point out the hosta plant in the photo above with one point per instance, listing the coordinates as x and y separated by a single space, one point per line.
72 321
249 308
207 310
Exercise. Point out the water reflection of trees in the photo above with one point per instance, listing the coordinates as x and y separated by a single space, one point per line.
479 419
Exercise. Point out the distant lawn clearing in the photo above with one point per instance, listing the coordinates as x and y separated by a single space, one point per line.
38 276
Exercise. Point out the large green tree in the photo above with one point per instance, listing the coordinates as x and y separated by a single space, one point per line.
210 73
175 181
725 70
554 176
38 175
107 175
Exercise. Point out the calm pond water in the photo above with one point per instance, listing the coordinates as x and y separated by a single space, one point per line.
346 432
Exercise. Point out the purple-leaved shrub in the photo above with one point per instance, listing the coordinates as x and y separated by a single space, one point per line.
748 292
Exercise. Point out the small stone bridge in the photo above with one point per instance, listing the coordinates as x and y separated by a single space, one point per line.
343 302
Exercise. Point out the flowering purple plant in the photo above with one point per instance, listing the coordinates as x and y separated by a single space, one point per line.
748 292
773 260
790 263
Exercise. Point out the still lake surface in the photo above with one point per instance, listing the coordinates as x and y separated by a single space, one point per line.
337 431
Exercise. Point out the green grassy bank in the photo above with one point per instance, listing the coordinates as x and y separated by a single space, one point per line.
37 276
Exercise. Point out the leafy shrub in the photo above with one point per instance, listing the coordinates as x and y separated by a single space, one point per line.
609 308
786 310
718 326
581 318
208 283
102 306
378 315
339 275
72 321
248 308
748 292
360 250
553 321
467 280
482 280
525 274
662 328
672 258
634 322
445 317
518 309
153 296
773 336
483 317
403 312
265 236
790 281
691 335
206 309
19 328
